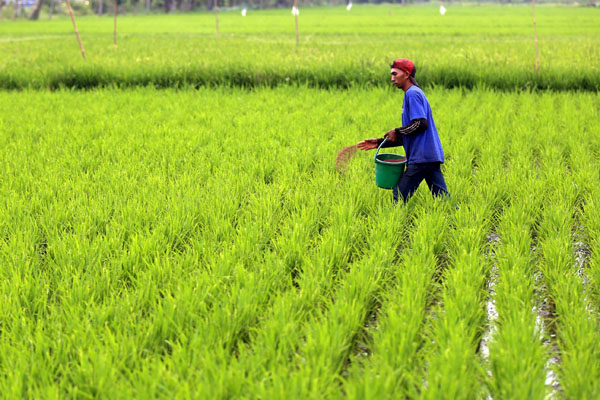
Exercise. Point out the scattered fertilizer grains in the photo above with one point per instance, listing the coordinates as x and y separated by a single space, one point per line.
486 46
183 243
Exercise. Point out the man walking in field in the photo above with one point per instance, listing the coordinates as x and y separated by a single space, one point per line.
418 135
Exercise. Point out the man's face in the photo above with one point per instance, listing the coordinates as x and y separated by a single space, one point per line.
399 77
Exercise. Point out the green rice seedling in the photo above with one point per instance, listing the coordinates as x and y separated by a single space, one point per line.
573 324
216 249
182 243
549 170
516 353
394 366
582 165
453 367
591 221
328 339
149 270
517 357
270 340
278 339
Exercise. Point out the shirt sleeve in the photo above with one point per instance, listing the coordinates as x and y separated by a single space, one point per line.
389 143
416 106
416 127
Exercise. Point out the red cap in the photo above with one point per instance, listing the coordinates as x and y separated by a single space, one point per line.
407 66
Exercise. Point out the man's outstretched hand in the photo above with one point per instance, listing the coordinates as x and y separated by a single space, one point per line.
368 144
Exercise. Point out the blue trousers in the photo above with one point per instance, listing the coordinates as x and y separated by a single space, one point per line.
414 175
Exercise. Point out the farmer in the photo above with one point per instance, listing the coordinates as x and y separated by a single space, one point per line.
418 135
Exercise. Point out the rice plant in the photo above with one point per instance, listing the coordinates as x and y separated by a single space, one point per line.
201 243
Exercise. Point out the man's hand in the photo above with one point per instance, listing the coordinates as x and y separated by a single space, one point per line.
368 144
391 135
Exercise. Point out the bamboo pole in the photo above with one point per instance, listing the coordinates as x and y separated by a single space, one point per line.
115 27
537 52
216 7
296 20
75 27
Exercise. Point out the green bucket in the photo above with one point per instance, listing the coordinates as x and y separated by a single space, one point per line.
388 168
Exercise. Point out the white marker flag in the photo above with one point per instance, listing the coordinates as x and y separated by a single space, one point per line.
295 11
349 6
442 10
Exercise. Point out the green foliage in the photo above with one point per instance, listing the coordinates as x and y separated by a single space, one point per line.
487 46
200 243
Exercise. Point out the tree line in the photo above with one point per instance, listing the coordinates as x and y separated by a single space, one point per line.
33 8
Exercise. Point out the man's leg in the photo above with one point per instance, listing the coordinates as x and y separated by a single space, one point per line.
435 180
409 182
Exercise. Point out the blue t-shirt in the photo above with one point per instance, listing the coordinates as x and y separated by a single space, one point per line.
425 147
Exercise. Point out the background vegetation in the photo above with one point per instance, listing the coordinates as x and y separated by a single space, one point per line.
27 8
469 46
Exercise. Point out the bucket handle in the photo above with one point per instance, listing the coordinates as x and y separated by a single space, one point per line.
377 152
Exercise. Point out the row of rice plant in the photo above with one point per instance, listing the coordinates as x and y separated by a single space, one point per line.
469 47
572 324
453 361
155 246
393 365
516 353
592 229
